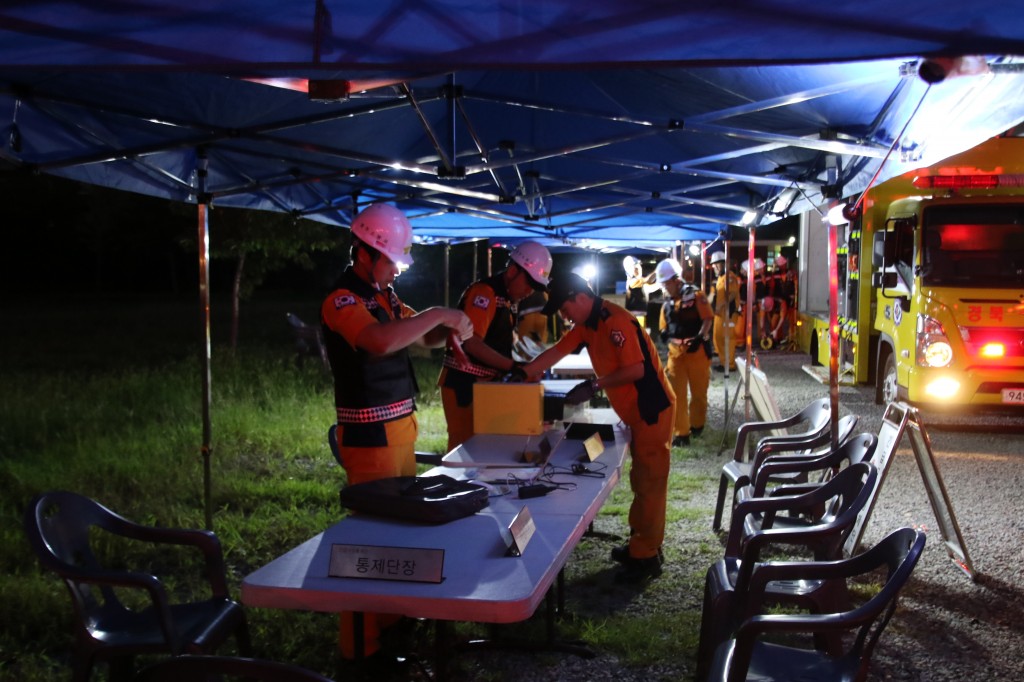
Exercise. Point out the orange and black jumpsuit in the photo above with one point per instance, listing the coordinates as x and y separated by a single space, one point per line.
725 302
614 338
493 315
689 370
374 397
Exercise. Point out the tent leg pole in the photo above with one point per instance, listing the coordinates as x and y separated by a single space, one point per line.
203 243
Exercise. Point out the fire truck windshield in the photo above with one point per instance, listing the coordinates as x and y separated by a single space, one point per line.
976 246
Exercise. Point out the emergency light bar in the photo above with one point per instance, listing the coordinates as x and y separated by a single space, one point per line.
967 181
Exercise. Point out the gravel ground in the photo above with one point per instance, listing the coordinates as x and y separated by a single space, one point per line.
947 626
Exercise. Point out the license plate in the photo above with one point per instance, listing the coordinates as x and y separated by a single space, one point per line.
1013 396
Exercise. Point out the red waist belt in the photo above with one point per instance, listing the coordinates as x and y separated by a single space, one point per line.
475 370
381 413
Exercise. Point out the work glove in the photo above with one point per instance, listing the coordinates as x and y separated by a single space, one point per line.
694 344
581 392
516 375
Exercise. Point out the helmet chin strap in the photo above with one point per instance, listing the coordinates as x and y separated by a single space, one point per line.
374 256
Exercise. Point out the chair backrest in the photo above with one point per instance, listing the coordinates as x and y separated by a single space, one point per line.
834 507
812 443
816 432
852 449
859 448
223 668
816 414
849 493
58 525
898 553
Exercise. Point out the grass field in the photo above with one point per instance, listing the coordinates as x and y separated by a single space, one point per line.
104 399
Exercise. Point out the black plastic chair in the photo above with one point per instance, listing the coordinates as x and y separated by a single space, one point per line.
62 530
814 468
736 472
829 514
827 506
225 668
750 656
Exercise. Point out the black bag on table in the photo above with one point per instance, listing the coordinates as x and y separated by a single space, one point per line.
428 499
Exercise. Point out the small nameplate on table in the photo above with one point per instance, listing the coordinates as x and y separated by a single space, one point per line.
519 532
594 446
411 564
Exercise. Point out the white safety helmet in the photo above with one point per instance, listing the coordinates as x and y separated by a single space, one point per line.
535 259
385 228
758 266
782 261
717 257
667 269
628 263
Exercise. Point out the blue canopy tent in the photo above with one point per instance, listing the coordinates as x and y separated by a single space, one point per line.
642 121
640 124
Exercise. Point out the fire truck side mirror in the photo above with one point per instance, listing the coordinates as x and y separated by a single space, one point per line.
884 280
878 251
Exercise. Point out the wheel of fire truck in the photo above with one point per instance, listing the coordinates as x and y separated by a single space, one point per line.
886 390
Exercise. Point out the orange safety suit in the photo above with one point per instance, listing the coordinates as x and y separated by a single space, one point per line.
374 399
689 369
614 338
725 302
487 304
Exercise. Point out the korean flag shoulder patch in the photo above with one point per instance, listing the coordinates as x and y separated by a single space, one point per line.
343 300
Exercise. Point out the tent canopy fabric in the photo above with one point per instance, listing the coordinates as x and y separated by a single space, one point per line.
626 124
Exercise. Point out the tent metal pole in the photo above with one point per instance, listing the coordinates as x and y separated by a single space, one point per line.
447 273
749 314
453 151
703 266
203 242
833 327
727 329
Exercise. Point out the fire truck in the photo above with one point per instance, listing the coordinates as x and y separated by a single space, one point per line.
931 284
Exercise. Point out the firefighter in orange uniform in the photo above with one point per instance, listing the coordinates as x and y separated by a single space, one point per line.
367 331
629 371
685 325
725 302
490 305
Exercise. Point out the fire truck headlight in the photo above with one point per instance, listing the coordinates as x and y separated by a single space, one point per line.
937 354
943 388
933 349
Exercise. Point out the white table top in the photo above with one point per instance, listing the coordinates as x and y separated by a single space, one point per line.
574 365
588 493
481 583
